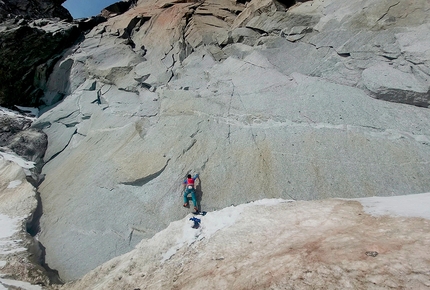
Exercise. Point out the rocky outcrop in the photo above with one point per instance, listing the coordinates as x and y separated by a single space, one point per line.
20 255
33 9
117 8
262 99
24 71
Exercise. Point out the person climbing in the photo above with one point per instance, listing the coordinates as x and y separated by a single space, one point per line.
189 189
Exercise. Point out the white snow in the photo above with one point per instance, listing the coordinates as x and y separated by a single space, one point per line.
18 160
415 205
210 224
8 112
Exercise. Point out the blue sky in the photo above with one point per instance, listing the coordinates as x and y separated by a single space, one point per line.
86 8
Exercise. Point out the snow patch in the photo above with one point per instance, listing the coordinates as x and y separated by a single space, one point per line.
415 205
18 284
12 113
14 184
18 160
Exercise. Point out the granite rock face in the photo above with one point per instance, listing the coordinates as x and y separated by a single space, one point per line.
262 99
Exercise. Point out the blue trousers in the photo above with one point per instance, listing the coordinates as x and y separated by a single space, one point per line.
193 195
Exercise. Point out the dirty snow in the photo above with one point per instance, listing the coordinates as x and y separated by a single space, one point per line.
417 205
281 244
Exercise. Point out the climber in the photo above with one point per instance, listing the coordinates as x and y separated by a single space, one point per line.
189 188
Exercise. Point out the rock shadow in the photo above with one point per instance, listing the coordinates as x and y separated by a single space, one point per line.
199 194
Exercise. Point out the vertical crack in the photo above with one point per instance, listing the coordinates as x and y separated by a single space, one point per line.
130 237
33 228
228 110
